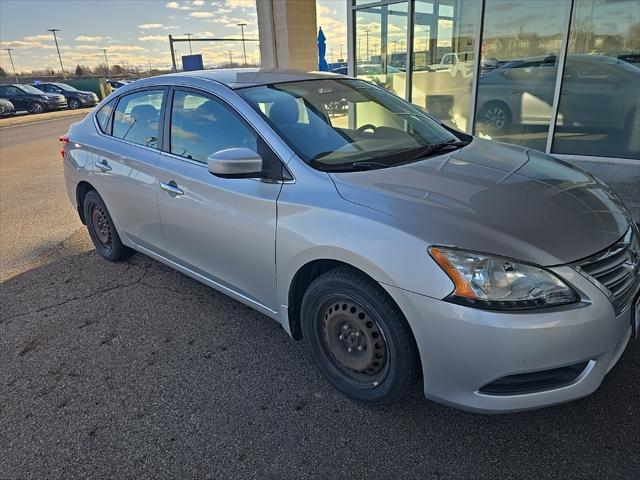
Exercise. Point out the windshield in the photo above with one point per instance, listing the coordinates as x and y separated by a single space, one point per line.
29 89
335 123
66 87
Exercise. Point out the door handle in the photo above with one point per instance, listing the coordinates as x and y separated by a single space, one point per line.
172 188
103 165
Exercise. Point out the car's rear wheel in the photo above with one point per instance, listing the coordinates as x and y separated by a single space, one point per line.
358 337
74 104
495 117
36 107
102 230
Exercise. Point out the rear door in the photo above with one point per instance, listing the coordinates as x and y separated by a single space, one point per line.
223 229
123 164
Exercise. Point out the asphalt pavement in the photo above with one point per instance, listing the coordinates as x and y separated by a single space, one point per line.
133 370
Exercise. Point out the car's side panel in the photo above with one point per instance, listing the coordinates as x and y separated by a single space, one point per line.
223 229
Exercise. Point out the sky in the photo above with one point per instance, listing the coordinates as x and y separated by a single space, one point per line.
134 32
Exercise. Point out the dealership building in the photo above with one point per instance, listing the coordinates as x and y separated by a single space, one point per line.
560 76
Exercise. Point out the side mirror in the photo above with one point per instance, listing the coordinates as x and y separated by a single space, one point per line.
235 163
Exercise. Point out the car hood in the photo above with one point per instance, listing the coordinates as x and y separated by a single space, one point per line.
495 198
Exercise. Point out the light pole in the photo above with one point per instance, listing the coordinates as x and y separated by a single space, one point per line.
15 75
55 39
230 58
367 55
189 38
244 50
104 50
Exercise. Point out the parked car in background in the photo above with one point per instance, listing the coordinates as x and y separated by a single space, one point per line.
26 97
459 64
6 108
75 98
396 247
521 93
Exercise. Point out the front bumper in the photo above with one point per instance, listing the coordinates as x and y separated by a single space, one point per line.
55 105
87 102
464 349
6 111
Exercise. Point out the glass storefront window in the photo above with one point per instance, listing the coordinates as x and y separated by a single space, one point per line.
444 38
599 109
380 46
521 43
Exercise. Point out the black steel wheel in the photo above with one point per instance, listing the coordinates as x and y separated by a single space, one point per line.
354 341
101 229
101 226
358 337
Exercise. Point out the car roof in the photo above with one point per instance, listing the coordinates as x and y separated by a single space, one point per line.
252 77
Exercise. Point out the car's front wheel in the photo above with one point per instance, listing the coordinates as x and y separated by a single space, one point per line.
102 230
358 337
74 104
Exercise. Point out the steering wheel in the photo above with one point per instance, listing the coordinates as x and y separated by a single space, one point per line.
366 126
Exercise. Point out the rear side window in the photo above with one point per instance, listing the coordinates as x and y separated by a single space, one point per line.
137 117
103 116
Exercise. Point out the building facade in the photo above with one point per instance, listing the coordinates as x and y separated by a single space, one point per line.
560 76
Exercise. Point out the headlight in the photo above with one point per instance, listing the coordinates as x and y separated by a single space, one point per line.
496 283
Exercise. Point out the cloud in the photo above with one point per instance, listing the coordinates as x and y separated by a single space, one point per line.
86 47
324 10
152 38
37 38
177 6
227 20
26 45
86 38
150 26
201 14
198 3
127 48
241 3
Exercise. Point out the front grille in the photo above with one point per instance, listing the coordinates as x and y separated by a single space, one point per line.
617 269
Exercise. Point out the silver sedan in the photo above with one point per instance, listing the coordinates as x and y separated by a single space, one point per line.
397 248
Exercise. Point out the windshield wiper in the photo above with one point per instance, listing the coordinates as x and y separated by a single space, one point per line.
436 147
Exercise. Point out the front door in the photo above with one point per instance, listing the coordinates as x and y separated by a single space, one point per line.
223 229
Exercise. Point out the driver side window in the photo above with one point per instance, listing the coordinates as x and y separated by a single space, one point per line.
201 126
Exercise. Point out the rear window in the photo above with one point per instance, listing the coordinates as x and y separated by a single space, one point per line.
103 116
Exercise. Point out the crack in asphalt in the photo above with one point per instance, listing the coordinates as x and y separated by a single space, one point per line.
88 295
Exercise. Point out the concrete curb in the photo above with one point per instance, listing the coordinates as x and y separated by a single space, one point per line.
41 117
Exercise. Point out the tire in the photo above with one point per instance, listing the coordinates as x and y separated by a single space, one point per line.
74 104
36 107
342 310
102 230
495 117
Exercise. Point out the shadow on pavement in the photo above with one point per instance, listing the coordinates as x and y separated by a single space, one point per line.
134 370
